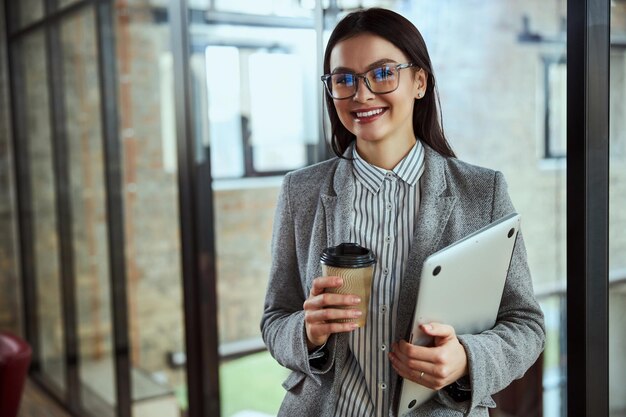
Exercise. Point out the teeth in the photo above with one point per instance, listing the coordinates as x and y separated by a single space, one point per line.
369 113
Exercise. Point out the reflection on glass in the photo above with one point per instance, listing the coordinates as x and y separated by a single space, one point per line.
46 242
276 89
556 109
86 169
293 8
617 216
261 93
224 103
147 131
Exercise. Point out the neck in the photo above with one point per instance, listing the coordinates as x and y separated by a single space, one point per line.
384 154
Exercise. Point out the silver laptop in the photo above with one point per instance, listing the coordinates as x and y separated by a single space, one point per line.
461 285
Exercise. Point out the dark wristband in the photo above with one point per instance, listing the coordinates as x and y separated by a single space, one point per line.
319 357
458 393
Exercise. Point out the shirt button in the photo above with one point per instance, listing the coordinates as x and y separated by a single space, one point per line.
385 271
383 309
388 239
383 347
382 386
389 206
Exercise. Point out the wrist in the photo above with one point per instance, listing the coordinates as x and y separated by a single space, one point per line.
460 390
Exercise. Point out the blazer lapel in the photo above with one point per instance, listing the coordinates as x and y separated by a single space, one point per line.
338 204
435 208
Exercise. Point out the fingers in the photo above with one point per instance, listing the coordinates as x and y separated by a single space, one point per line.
319 326
419 353
433 367
413 374
330 300
319 333
321 283
323 309
441 332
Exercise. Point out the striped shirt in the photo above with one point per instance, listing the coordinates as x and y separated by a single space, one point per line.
385 210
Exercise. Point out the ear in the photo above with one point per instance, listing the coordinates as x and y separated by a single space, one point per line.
420 83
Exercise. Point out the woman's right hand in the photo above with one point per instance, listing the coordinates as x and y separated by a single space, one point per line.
321 307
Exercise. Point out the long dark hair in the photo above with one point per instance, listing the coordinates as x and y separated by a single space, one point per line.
427 118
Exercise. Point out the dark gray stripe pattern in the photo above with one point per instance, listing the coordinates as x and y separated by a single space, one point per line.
385 211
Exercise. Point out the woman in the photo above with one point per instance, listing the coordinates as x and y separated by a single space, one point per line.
396 188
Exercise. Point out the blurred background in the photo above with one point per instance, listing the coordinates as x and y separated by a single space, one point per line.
81 78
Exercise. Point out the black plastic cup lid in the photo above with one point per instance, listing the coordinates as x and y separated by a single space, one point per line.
347 255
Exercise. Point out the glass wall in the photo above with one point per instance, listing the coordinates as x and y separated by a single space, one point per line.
148 188
44 209
617 214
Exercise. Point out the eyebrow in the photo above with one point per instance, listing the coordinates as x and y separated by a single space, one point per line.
369 67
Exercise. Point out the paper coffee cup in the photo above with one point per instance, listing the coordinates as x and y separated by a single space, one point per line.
355 264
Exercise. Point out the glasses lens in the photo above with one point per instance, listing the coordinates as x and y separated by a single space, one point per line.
342 85
383 79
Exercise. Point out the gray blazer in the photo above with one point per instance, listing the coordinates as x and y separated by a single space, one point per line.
314 212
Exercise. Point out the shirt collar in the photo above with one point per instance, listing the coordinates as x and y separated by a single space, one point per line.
409 169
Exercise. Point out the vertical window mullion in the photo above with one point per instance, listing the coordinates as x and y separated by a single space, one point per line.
107 70
197 234
588 44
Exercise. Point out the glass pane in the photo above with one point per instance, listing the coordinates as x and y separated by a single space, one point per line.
617 215
243 220
28 11
93 299
43 196
244 76
150 189
250 74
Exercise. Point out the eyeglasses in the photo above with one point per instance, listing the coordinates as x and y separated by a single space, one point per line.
380 80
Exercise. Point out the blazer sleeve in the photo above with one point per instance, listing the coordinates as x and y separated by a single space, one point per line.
282 323
498 356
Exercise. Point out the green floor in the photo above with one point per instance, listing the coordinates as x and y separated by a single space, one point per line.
251 383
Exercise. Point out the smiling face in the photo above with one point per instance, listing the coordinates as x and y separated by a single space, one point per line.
377 119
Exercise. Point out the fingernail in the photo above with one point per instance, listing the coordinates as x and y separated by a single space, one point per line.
339 281
354 325
427 326
357 313
356 300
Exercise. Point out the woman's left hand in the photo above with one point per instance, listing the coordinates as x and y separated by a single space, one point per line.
433 367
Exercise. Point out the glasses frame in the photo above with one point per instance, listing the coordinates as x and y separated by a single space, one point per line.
398 67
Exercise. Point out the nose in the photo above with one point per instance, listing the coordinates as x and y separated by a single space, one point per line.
363 93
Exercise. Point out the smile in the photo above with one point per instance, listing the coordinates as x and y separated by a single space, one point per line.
362 116
369 113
